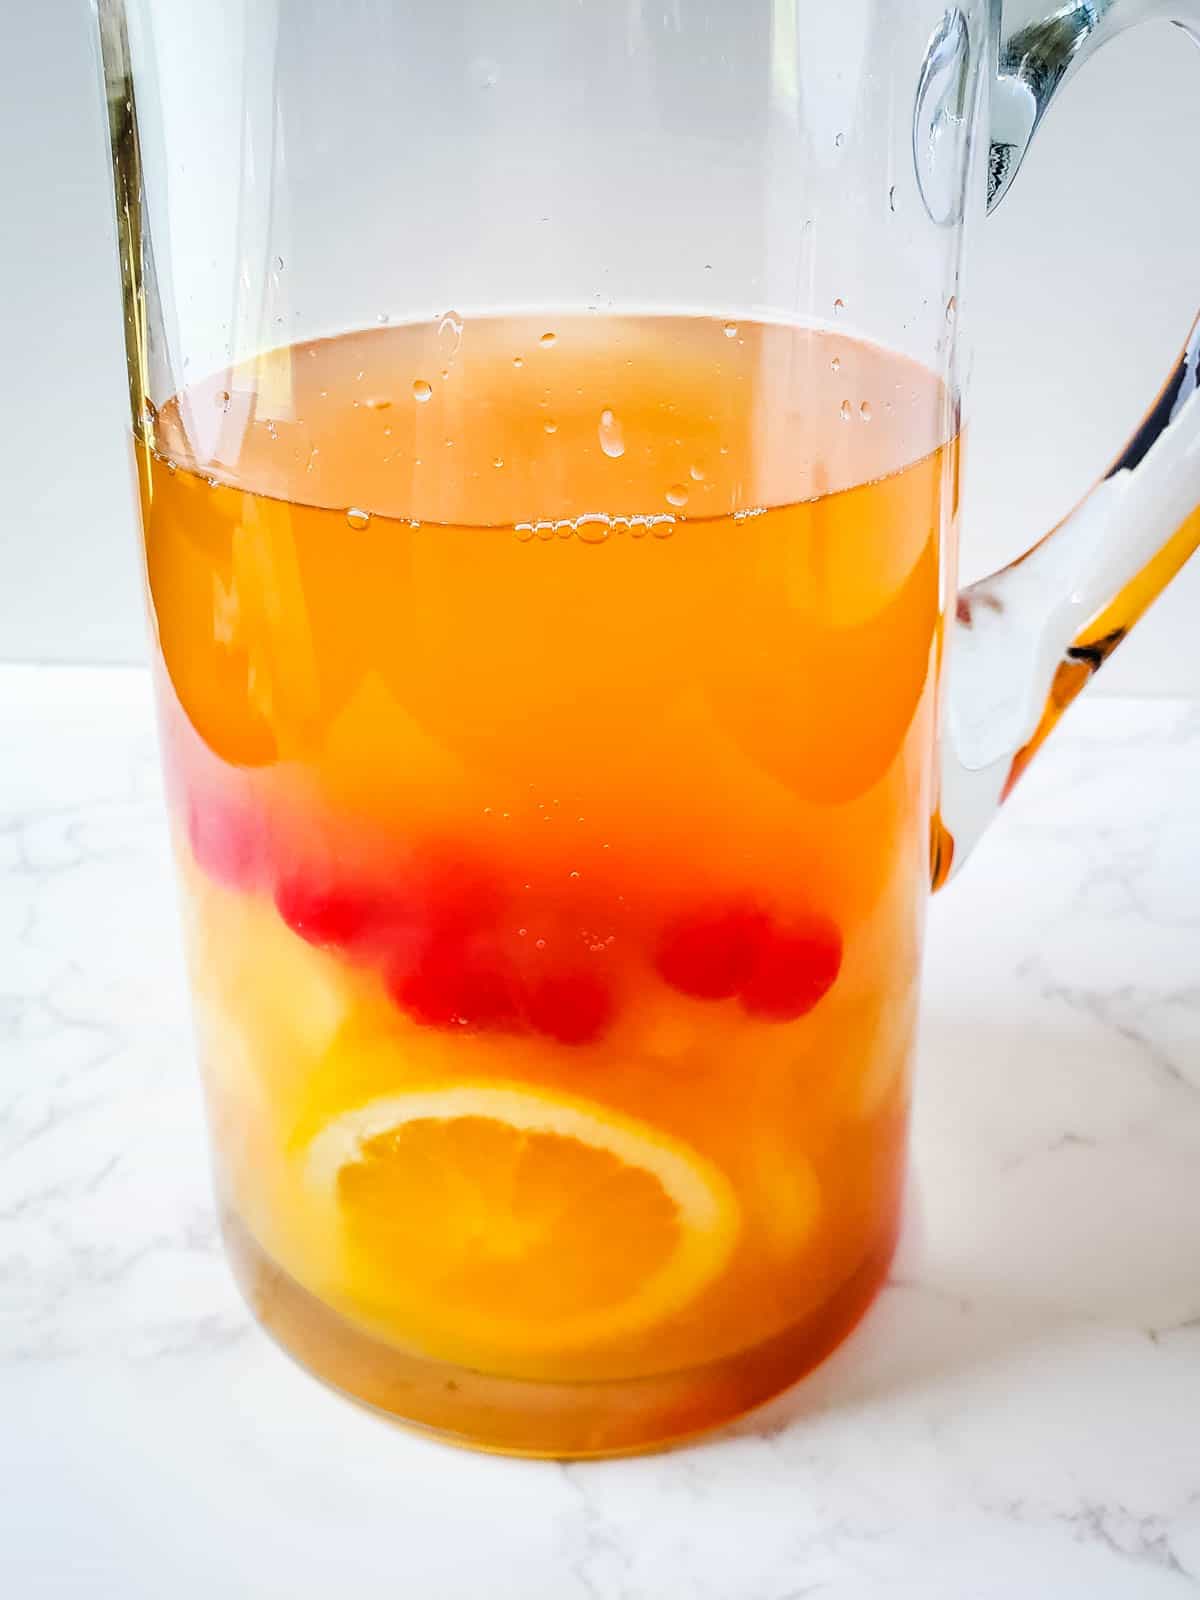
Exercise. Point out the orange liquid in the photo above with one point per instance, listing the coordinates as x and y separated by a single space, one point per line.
548 719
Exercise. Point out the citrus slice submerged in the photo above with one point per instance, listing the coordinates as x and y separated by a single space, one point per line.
522 1216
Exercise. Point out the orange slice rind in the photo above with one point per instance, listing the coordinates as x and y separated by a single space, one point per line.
520 1217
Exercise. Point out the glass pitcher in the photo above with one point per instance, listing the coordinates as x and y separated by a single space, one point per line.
548 423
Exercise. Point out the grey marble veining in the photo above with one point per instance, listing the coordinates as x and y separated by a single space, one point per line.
1019 1416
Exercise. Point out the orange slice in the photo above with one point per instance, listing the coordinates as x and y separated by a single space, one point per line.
521 1217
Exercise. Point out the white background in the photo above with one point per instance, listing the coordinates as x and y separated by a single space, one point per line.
1081 293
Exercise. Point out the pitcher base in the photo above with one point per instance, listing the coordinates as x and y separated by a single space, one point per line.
523 1417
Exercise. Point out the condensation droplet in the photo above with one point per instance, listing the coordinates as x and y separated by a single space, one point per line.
951 308
357 519
864 411
383 318
836 364
223 399
421 390
730 330
839 305
449 334
612 439
550 425
839 140
892 199
677 495
696 474
539 944
278 263
377 402
517 362
547 340
497 461
170 465
846 411
574 876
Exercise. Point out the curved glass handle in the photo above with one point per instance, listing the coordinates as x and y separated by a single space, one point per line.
1027 639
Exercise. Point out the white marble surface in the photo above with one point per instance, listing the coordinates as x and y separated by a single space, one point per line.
1018 1417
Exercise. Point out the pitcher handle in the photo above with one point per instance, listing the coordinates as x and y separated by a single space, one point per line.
1028 638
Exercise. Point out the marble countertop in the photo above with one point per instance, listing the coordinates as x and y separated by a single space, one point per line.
1019 1416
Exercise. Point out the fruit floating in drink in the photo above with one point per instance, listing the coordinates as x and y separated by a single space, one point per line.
547 706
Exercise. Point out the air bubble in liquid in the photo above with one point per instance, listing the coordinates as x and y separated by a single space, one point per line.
550 425
696 474
377 402
421 390
730 330
547 340
612 439
517 362
592 528
497 462
357 519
